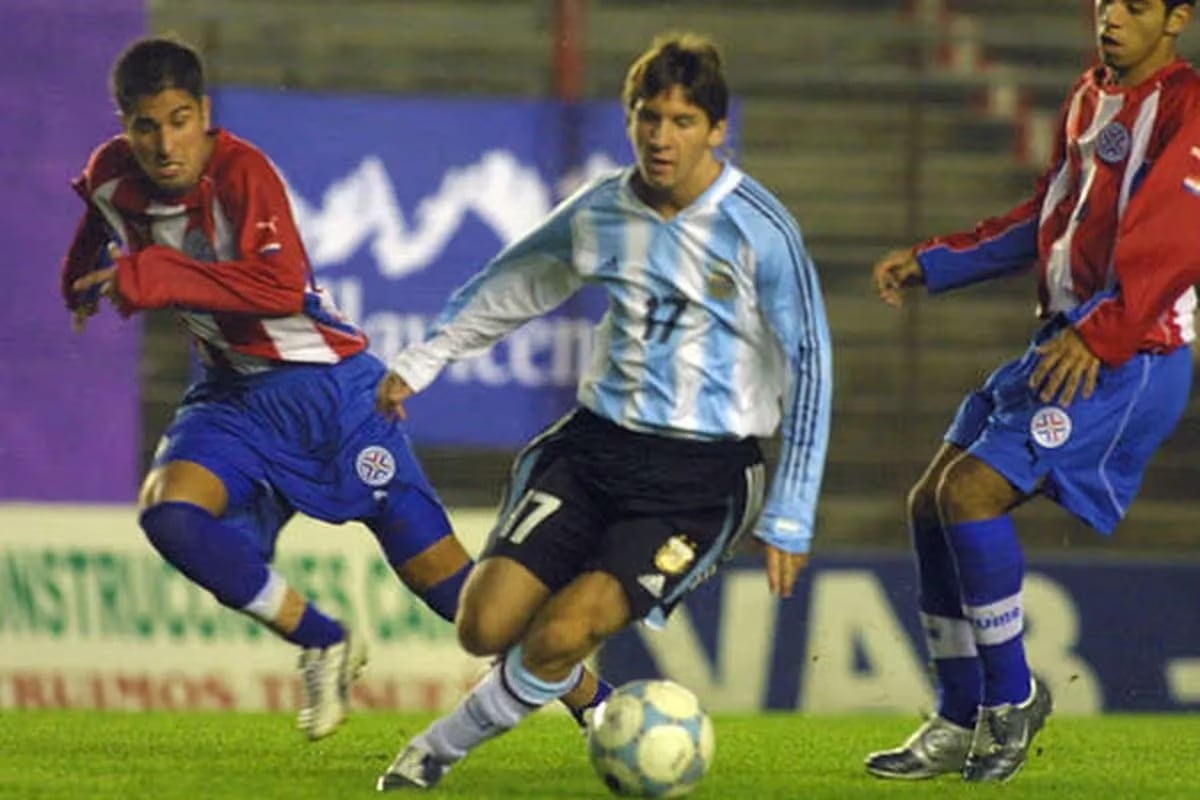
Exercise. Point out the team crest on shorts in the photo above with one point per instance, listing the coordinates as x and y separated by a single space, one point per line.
1112 145
1051 427
675 555
375 466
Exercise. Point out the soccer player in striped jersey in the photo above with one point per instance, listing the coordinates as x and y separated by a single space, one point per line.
715 334
1112 235
284 417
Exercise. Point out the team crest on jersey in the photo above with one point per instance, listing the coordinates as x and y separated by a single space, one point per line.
675 555
1050 427
1112 145
375 466
721 285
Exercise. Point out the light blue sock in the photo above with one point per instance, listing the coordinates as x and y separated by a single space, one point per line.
529 688
507 694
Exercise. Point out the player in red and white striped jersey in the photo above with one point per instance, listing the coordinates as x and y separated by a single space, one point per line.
224 251
284 417
1112 232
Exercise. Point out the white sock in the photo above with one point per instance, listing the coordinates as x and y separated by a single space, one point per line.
266 604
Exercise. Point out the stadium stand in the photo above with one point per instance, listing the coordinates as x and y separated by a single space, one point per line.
876 122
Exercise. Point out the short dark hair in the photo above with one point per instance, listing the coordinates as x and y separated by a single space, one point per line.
687 60
1170 4
151 65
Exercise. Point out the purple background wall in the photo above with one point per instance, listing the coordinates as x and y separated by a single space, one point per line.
68 404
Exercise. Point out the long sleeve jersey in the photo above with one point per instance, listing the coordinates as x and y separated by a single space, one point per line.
715 326
1112 226
226 256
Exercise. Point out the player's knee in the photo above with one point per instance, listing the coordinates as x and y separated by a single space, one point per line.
963 495
184 482
922 503
560 640
483 634
166 527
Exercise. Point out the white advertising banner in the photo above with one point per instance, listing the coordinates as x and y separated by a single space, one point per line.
92 617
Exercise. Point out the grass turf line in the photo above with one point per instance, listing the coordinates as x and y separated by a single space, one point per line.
212 756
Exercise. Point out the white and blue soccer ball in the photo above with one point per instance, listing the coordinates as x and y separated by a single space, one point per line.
651 739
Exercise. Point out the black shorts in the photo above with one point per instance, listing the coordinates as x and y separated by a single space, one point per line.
659 514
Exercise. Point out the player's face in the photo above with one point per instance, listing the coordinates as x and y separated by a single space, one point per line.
674 143
1136 38
169 135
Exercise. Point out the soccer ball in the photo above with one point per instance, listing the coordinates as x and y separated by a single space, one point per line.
651 739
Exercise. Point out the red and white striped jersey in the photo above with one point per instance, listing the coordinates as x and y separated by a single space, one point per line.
227 256
1111 227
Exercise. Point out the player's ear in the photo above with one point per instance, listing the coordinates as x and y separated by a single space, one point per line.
206 112
716 136
1178 19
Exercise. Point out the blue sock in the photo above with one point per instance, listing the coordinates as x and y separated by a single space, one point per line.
948 634
316 629
603 690
206 550
991 567
443 597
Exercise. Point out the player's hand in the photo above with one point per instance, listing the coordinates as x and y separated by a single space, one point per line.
81 314
104 281
1066 364
895 272
782 569
391 394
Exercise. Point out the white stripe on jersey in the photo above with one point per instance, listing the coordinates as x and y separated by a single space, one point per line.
299 338
102 200
1060 283
1143 127
710 381
224 236
170 231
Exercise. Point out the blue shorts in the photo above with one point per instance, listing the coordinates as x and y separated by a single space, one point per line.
1089 458
308 438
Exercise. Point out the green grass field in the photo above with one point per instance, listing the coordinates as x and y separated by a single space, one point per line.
196 756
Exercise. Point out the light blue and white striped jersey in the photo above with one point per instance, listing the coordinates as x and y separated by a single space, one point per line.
715 326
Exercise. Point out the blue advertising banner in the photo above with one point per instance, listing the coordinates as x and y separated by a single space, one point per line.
1105 635
401 200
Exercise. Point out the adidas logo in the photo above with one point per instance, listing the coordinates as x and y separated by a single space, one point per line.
652 583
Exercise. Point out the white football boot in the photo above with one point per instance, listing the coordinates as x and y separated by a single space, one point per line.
326 674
